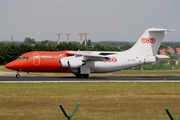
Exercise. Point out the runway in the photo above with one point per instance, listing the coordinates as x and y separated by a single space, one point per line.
92 79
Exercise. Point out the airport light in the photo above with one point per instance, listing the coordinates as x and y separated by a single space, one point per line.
85 34
81 34
58 37
68 34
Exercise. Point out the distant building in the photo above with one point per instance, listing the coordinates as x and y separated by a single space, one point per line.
170 50
177 51
167 51
162 51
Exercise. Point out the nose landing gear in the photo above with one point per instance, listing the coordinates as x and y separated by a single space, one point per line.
18 75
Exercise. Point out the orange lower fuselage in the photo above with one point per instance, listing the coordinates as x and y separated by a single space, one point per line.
39 62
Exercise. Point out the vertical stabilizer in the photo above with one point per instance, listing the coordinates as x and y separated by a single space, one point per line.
149 43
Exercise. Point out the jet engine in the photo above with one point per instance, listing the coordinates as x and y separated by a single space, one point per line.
71 63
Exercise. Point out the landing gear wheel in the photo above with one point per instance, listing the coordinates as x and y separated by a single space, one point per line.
78 75
17 75
85 75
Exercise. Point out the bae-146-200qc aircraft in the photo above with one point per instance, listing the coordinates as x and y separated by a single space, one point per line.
82 63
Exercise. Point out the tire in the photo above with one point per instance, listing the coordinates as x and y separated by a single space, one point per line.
85 75
17 75
78 75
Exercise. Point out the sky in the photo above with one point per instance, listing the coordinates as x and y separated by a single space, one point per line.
103 20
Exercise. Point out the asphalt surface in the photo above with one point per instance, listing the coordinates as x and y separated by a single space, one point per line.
94 79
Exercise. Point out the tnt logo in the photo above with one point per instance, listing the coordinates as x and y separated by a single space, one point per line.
112 59
148 40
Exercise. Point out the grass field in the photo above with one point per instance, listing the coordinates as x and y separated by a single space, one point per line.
98 101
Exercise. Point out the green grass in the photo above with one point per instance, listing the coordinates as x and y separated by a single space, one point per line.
98 101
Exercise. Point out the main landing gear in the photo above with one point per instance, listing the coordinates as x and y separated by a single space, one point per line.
82 75
18 75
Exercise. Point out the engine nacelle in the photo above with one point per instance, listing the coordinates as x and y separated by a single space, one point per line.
75 63
71 63
64 63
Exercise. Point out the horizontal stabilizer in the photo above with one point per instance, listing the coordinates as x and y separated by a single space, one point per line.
162 56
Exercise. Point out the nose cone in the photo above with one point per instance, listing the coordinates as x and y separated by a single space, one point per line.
11 66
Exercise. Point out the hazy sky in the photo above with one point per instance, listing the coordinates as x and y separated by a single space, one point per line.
113 20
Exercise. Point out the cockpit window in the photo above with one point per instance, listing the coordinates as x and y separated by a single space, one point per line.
27 58
23 58
19 57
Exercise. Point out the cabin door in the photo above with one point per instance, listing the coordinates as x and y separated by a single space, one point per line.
36 59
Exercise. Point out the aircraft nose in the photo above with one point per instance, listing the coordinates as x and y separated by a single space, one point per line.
12 65
9 66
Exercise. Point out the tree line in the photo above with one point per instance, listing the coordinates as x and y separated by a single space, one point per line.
10 51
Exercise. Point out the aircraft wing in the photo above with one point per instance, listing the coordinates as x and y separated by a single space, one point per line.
88 56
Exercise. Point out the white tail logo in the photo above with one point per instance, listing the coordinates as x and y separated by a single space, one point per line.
148 40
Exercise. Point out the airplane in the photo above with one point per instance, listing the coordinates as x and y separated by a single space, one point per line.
82 63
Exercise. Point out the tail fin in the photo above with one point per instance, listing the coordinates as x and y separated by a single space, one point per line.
149 43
